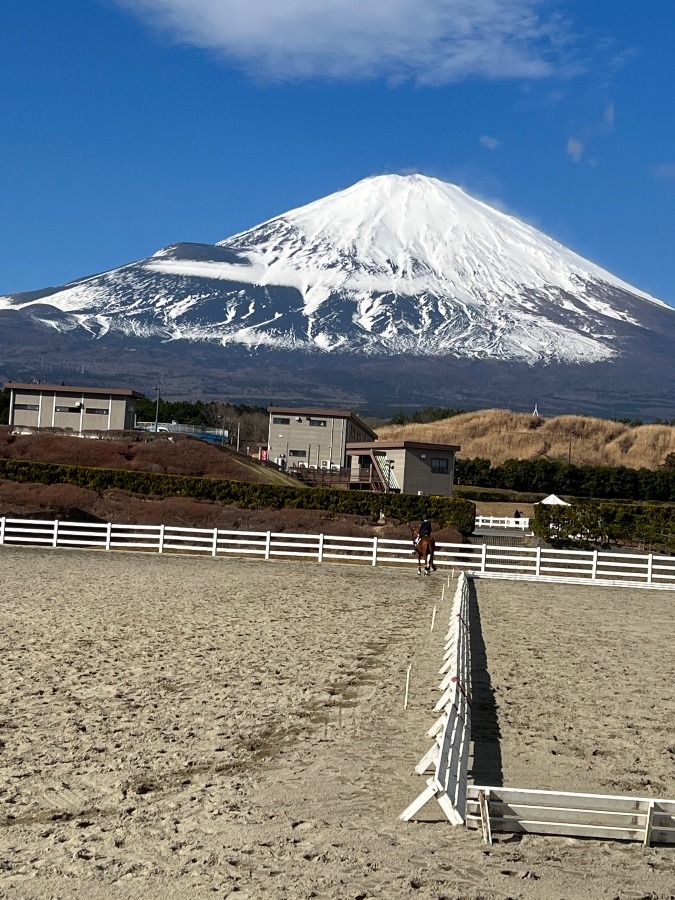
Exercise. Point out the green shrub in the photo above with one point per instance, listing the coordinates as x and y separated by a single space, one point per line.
444 511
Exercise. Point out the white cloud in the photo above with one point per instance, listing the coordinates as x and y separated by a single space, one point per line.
575 149
490 142
608 118
431 41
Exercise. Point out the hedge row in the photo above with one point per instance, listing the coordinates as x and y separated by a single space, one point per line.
443 510
592 523
546 477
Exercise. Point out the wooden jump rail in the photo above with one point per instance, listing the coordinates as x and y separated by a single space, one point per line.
476 560
607 817
449 754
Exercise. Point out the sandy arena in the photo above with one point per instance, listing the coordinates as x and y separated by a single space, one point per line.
179 727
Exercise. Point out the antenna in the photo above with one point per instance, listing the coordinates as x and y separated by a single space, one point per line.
535 411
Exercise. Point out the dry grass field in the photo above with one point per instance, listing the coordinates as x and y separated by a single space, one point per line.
499 435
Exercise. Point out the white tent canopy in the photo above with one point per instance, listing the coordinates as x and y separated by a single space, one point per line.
553 500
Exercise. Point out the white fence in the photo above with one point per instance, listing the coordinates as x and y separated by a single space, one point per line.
513 810
480 561
449 754
506 522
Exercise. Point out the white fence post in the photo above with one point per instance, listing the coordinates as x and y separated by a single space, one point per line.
320 556
650 566
2 530
537 562
483 558
108 536
161 538
214 551
375 551
55 539
594 570
268 544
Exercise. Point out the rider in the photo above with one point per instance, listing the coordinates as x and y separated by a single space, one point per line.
424 530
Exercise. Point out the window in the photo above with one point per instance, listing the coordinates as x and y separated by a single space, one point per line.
319 423
67 409
32 406
94 411
281 420
441 466
297 453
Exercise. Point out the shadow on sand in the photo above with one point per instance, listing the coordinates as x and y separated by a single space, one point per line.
486 766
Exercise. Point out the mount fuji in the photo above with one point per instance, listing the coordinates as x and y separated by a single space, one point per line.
399 290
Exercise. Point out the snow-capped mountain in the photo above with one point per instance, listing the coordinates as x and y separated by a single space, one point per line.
395 266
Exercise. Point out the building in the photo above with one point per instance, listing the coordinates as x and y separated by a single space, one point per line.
69 407
408 467
335 448
308 437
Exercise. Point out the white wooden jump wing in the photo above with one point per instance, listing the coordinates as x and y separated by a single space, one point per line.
449 754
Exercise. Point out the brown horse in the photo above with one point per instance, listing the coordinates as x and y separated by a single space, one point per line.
425 549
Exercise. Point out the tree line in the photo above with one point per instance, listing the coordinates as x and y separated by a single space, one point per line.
543 476
591 524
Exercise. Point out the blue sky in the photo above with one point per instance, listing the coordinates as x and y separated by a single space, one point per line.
127 125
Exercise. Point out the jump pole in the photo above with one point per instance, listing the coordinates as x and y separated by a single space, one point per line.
407 687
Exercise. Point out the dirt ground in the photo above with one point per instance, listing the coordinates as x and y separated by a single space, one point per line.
185 727
174 454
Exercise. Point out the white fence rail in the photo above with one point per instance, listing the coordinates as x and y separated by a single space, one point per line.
507 522
449 754
514 810
480 561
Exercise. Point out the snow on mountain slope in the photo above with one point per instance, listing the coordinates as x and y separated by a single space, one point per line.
394 264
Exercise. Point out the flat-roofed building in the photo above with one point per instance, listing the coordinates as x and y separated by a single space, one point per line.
307 437
408 467
333 447
71 407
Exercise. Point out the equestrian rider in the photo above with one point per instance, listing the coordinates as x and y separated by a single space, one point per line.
425 529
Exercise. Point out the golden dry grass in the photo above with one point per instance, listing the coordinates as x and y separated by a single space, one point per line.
498 435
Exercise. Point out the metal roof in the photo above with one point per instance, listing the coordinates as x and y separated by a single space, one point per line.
401 445
42 387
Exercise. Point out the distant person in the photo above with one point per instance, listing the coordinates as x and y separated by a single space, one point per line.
516 514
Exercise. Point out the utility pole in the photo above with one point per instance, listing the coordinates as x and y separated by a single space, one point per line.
157 409
238 430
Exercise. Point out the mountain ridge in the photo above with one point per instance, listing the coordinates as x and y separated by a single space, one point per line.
394 268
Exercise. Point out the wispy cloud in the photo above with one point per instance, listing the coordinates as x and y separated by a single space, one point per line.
575 149
430 41
664 171
587 135
491 143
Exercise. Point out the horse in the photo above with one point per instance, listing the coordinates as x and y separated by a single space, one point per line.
425 549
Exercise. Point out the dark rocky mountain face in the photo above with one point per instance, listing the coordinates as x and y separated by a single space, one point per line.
398 293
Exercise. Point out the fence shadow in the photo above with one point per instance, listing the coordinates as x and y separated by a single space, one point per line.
486 766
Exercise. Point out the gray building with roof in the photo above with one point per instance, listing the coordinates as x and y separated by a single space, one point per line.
75 408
